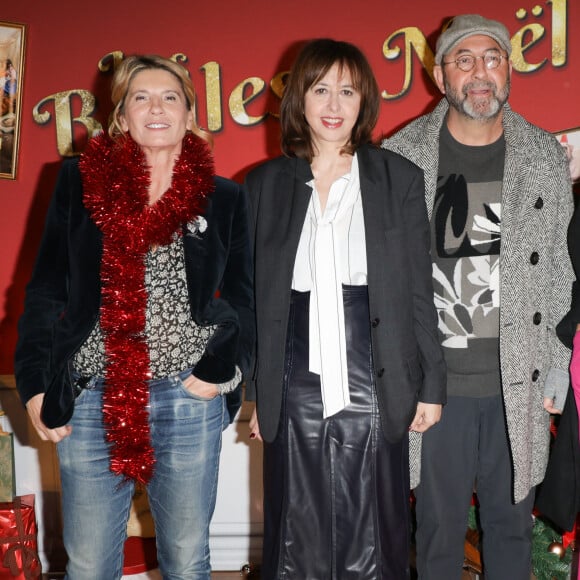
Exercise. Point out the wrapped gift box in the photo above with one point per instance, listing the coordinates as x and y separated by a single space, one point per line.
18 540
7 478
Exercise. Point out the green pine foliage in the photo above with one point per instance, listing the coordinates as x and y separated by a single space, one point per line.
545 564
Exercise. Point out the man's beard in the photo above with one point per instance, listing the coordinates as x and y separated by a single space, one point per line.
482 109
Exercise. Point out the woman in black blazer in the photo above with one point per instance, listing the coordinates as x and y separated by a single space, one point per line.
138 325
348 358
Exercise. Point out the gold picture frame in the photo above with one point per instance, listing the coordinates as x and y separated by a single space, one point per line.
12 44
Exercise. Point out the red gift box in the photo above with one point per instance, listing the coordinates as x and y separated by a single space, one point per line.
18 544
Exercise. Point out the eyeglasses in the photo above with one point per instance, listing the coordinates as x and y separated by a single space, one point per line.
466 62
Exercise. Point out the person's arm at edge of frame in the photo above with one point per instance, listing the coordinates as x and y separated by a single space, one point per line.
568 329
557 380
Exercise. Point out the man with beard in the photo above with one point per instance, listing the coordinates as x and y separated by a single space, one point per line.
499 198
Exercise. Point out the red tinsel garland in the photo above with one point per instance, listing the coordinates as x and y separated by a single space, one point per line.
116 193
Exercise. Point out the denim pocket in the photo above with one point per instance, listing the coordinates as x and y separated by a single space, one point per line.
193 395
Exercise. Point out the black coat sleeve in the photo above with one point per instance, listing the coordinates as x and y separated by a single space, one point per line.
47 292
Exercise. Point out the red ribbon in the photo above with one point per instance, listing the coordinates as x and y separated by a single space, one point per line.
31 566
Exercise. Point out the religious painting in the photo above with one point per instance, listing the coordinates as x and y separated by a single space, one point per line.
12 39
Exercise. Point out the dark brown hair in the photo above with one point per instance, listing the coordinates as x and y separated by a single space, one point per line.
313 62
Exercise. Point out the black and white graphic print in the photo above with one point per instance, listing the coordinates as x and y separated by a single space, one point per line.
466 243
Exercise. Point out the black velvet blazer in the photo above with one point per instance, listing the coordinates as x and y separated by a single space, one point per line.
408 360
64 294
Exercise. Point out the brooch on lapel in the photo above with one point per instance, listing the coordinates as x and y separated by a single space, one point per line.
196 227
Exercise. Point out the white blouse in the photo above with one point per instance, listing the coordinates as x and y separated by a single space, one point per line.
331 252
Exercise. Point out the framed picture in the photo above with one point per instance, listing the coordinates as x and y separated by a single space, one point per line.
570 138
12 40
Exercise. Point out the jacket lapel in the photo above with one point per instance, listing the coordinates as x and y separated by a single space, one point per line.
514 187
287 219
373 190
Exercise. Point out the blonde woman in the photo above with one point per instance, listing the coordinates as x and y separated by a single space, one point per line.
127 358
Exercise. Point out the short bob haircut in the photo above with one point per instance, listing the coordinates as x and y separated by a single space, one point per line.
314 61
126 72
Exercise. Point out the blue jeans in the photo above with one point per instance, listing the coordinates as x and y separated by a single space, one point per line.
186 436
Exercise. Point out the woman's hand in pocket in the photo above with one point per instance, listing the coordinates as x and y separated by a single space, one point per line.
200 388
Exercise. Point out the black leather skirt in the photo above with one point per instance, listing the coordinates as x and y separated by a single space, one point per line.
336 494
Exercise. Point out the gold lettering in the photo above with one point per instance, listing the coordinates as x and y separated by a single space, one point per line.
404 42
559 32
112 59
519 46
247 91
64 119
413 39
531 34
213 96
277 84
179 58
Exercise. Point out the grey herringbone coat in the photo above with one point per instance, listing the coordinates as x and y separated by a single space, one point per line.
536 209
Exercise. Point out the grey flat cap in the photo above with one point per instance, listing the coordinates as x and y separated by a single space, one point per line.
469 25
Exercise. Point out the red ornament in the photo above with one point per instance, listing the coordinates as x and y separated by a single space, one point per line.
116 193
568 537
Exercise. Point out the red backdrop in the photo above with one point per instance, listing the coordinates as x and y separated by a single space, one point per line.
233 51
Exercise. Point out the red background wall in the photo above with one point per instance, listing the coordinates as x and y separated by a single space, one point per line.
65 41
